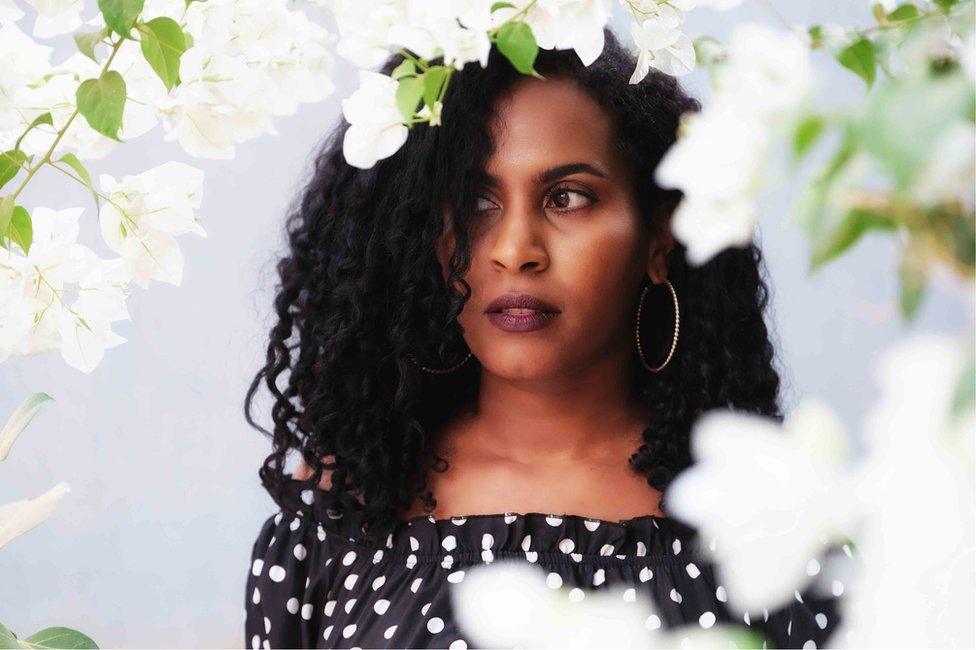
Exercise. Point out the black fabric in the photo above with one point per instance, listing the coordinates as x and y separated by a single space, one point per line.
313 582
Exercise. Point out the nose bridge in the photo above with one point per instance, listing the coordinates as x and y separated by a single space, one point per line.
519 238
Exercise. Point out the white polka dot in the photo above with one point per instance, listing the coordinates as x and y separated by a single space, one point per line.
641 549
487 540
676 546
449 543
276 573
256 567
576 595
837 587
576 556
307 496
277 518
554 521
566 545
554 580
307 611
349 630
435 625
255 642
448 561
411 561
378 582
414 544
348 558
423 610
809 644
320 533
460 644
256 596
349 604
527 542
745 617
598 577
377 556
675 596
487 555
692 570
591 525
267 625
821 619
389 631
330 607
456 576
266 645
652 622
706 620
510 517
458 521
327 632
415 585
646 574
292 605
350 580
630 595
813 567
380 606
607 549
532 556
300 552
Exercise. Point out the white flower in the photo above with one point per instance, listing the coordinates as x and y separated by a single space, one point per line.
769 71
509 604
56 17
771 497
147 212
18 517
660 43
23 62
564 24
906 598
364 29
86 329
948 172
376 128
10 12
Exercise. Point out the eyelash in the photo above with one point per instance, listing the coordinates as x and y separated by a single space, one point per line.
561 188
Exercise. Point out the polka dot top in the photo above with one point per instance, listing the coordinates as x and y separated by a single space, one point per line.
314 582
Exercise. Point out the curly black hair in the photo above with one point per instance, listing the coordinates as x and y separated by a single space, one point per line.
361 290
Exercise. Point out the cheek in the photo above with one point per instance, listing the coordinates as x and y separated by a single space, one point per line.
599 268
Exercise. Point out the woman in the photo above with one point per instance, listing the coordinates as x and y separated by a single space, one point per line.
500 352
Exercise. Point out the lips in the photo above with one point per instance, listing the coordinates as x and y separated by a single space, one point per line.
521 303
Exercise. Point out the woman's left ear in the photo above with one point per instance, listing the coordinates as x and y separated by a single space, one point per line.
661 244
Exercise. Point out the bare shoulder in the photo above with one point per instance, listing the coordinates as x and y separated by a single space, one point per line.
303 471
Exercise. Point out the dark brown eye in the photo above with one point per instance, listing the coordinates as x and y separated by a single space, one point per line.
568 199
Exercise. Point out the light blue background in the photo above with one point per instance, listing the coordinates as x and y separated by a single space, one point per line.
150 548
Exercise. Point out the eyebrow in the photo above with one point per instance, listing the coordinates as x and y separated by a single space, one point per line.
551 174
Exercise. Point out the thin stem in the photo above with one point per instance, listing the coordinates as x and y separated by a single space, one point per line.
513 18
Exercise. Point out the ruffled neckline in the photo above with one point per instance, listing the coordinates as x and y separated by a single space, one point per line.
572 537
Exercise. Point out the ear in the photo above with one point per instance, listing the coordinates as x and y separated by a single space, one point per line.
661 242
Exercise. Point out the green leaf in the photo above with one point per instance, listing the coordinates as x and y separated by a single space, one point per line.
517 43
434 80
19 420
163 44
43 118
904 12
857 222
87 41
7 638
964 396
72 160
60 637
6 212
806 134
859 57
20 231
816 36
120 15
408 94
102 102
501 5
11 163
911 274
405 69
946 5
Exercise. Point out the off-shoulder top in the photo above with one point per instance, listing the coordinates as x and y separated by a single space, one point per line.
313 581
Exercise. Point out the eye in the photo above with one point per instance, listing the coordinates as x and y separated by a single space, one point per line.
487 205
567 199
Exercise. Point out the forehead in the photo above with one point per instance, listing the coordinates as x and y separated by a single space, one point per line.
544 122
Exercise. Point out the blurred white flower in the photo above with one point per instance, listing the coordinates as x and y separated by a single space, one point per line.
719 158
376 128
364 29
916 490
949 171
56 17
771 497
86 330
721 5
144 216
23 62
20 516
508 604
10 12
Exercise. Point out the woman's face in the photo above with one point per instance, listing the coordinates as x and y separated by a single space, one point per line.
557 219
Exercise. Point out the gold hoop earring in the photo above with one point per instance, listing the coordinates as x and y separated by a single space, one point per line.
677 323
437 371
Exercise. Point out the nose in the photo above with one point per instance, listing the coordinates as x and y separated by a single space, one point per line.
519 241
